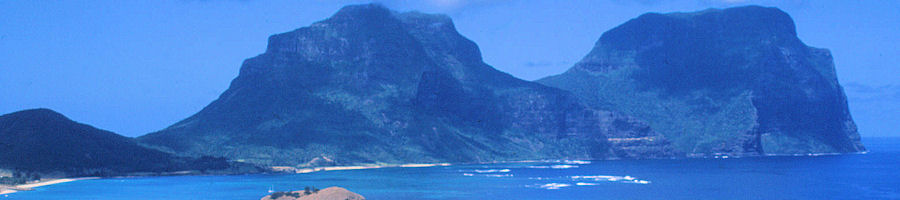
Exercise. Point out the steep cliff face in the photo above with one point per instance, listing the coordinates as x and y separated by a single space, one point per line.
370 85
736 81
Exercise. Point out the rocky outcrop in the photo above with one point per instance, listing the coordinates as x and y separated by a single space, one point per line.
371 85
735 81
631 139
330 193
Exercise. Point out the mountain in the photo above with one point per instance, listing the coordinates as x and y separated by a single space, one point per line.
44 141
733 81
369 85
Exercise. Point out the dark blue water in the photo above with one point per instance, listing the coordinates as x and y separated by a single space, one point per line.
875 175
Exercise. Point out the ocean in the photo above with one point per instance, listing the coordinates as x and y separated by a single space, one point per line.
874 175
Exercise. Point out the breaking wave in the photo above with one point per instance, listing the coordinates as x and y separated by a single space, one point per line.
563 166
577 162
551 166
554 186
607 178
491 171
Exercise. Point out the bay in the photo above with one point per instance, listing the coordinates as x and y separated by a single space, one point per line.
873 175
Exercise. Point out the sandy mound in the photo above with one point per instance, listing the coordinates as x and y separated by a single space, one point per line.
331 193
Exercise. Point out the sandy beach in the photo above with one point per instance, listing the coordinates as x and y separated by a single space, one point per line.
3 190
30 186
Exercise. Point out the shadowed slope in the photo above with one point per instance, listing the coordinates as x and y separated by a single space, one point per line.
44 141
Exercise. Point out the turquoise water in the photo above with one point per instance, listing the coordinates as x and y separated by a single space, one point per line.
860 176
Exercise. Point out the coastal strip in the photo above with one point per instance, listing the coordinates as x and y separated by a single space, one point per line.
287 169
290 169
31 186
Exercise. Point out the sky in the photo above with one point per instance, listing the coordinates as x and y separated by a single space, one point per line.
135 67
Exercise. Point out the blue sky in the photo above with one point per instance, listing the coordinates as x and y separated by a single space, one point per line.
134 67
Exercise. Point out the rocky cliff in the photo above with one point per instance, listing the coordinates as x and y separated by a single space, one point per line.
733 81
369 85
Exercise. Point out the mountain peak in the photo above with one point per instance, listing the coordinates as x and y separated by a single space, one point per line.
361 12
751 10
748 23
37 114
375 11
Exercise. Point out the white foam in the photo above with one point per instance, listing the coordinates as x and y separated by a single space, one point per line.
815 154
492 171
622 179
583 183
577 162
468 174
538 167
554 186
563 166
498 175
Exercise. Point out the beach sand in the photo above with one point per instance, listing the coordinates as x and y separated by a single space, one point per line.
3 190
12 189
30 186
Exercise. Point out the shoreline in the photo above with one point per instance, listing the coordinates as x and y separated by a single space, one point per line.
289 169
30 186
7 189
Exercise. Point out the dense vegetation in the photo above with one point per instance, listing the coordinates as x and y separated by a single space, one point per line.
43 141
276 195
732 81
19 178
369 85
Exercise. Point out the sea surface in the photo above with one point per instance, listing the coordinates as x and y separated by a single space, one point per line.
875 175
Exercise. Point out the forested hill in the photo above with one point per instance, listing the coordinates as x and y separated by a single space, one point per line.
370 85
734 81
44 141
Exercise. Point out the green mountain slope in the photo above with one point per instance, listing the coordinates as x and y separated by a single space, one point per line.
736 81
43 141
370 85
